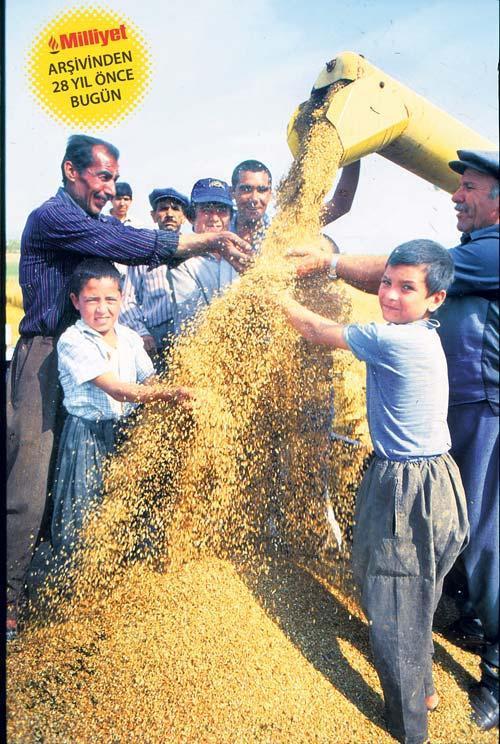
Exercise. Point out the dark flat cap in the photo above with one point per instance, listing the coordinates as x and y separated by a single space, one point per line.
168 193
484 161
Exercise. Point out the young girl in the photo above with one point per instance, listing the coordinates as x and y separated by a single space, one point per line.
104 370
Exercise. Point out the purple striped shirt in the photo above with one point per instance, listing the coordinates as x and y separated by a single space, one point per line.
60 234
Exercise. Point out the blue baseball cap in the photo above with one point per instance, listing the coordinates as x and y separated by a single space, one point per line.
484 161
211 190
168 193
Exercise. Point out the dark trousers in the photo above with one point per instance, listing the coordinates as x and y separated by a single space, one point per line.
474 436
34 414
410 526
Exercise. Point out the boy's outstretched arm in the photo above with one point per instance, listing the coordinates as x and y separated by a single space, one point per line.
314 327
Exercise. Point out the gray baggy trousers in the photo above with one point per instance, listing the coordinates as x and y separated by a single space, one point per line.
410 525
34 414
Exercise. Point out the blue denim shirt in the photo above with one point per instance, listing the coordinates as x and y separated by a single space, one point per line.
469 320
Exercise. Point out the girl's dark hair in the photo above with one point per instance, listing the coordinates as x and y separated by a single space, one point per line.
433 256
93 268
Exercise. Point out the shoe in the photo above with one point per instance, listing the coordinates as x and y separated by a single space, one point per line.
11 629
467 633
484 704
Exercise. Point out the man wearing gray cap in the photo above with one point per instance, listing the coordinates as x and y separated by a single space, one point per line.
469 334
147 301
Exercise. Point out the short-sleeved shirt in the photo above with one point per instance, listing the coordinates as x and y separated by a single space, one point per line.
469 319
83 355
406 387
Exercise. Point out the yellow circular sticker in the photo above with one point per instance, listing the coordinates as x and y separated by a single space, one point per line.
89 66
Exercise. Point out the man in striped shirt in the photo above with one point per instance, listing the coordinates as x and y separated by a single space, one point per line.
147 301
58 235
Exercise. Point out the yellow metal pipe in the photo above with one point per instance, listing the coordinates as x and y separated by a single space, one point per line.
372 112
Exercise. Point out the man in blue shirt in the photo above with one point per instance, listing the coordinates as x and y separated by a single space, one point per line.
198 280
469 334
62 231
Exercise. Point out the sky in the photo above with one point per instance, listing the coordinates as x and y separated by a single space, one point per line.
228 74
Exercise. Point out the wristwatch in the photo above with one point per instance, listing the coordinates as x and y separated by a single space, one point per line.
332 271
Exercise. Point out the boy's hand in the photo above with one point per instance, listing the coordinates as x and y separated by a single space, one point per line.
316 258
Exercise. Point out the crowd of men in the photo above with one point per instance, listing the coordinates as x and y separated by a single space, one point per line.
170 273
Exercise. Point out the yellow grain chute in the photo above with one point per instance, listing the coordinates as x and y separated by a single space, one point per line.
372 112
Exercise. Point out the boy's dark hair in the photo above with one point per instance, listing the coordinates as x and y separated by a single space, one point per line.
93 268
79 151
435 258
122 188
249 165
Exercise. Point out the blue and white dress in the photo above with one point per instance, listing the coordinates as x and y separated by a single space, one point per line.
90 429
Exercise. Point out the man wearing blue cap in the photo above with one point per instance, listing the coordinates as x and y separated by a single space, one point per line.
147 297
469 334
198 280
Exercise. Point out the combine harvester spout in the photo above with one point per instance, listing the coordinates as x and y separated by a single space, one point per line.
372 112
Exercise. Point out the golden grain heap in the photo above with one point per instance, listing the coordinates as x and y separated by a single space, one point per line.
196 609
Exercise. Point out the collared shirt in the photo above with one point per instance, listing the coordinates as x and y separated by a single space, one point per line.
57 236
258 233
147 298
469 319
83 355
195 283
406 387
